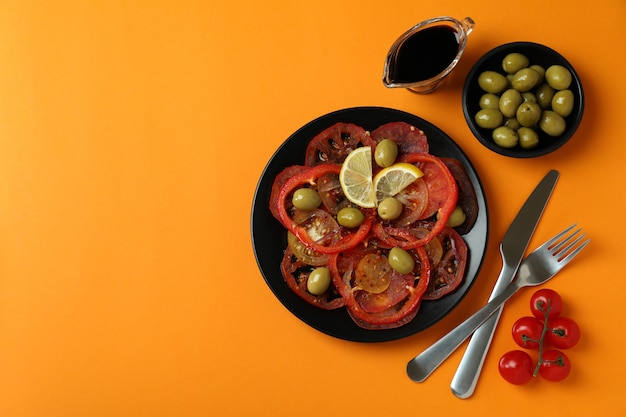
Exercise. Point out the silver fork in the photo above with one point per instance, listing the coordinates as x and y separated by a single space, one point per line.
541 265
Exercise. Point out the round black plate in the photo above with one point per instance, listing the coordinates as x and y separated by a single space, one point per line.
269 238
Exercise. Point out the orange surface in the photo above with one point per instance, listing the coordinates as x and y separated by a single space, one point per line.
132 136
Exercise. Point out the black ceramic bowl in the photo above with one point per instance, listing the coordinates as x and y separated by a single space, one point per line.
536 54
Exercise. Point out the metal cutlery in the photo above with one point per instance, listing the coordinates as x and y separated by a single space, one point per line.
512 248
541 265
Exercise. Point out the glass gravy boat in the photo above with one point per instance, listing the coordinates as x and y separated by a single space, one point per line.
422 58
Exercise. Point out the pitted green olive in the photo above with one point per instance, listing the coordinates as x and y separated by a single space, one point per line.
513 123
528 114
525 80
514 62
492 82
457 217
509 102
350 217
385 153
563 102
489 118
401 260
318 281
505 136
540 70
528 138
306 199
390 208
528 96
544 94
558 77
489 101
552 123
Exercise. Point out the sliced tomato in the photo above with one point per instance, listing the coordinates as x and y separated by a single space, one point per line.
414 198
442 187
279 181
443 194
397 304
447 274
331 240
331 194
304 253
467 195
333 144
296 273
409 138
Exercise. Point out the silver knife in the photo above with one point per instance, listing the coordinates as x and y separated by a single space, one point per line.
512 249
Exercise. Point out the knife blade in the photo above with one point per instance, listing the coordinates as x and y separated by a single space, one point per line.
512 249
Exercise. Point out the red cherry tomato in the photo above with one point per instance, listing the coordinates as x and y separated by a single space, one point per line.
555 365
563 333
516 367
543 299
527 332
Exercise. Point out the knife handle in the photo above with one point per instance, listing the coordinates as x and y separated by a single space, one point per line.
466 376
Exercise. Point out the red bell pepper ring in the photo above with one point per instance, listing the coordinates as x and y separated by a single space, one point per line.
402 237
309 176
395 315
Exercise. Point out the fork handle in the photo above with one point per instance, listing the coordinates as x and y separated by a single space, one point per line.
421 366
466 377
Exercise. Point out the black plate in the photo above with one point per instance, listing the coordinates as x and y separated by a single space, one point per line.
269 238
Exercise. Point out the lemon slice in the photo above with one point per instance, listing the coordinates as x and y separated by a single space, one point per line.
391 180
355 177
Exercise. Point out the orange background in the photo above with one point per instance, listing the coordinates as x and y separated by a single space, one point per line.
132 136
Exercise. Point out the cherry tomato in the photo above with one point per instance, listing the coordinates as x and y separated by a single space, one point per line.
555 365
544 298
563 333
527 332
516 367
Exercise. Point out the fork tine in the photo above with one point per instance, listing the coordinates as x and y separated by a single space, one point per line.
557 248
572 244
551 243
573 253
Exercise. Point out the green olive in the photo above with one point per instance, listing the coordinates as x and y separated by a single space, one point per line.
505 136
528 113
558 77
457 217
489 118
528 138
401 260
492 82
525 80
563 102
514 62
390 208
306 199
513 123
350 217
540 70
552 123
386 152
318 281
528 96
489 101
544 94
509 102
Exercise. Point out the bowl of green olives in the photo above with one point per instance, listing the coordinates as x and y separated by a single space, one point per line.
523 100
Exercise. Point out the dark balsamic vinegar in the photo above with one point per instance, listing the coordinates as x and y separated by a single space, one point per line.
425 54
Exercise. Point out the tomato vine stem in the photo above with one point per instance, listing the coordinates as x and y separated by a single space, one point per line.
546 314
